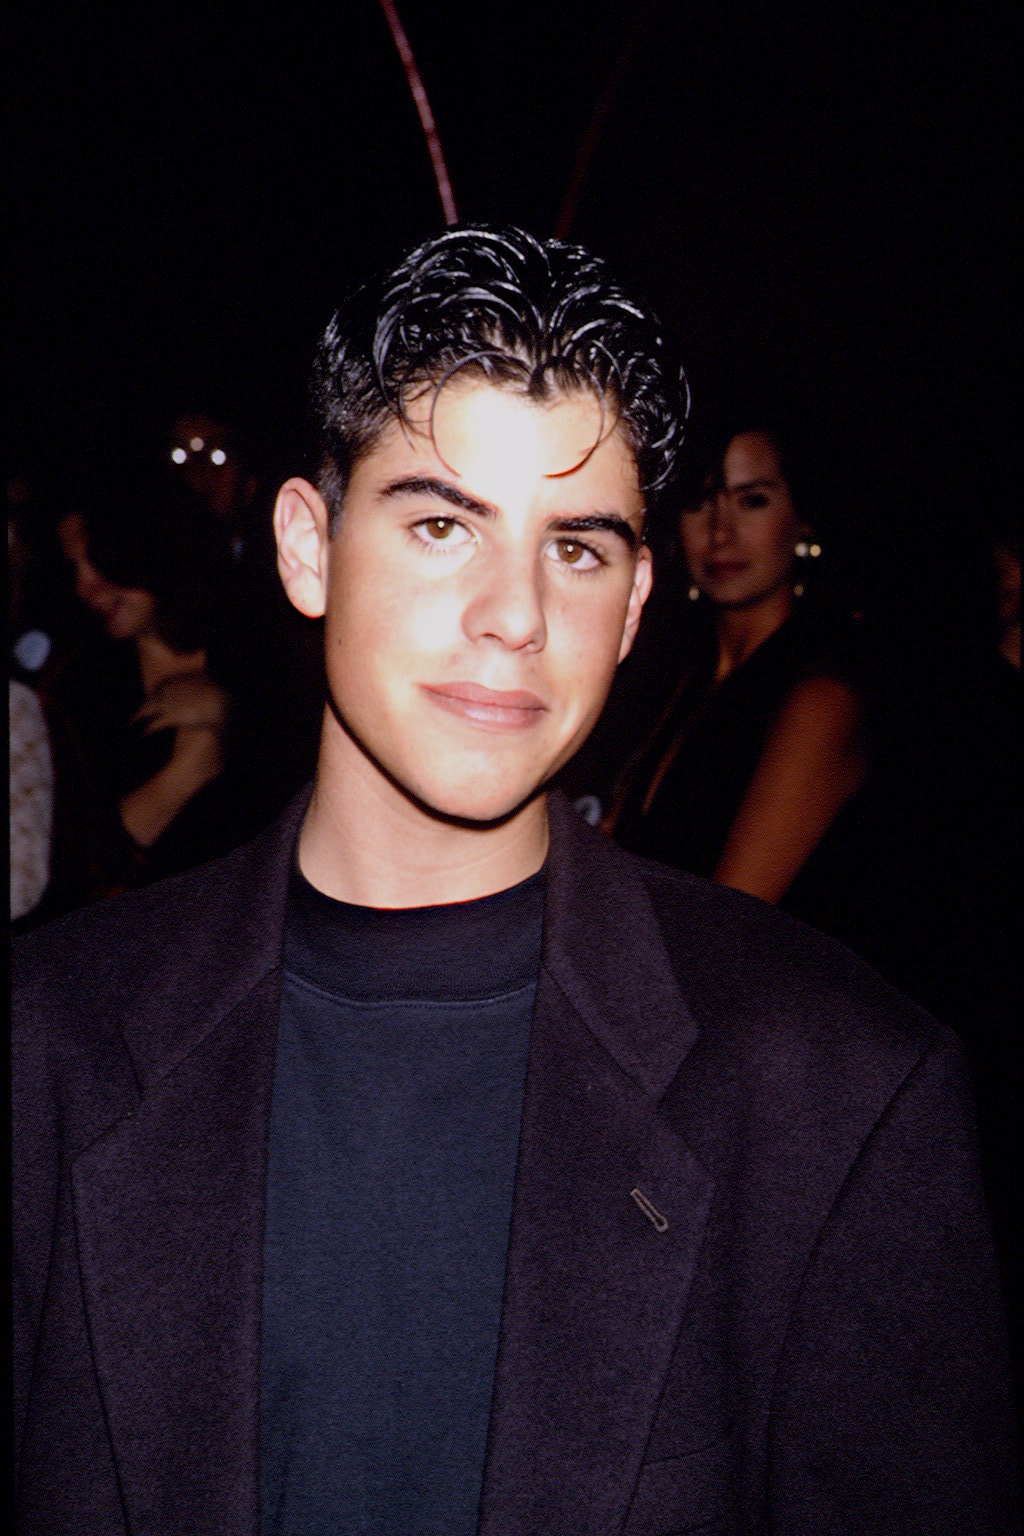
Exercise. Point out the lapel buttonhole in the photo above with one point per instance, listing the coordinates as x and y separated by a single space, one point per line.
654 1216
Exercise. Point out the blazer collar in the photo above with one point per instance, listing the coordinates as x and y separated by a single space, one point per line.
169 1213
169 1203
210 942
604 948
609 1212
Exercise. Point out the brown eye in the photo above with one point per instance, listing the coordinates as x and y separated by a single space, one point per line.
576 554
432 532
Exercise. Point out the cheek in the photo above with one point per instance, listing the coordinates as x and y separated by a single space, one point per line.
774 540
587 639
789 534
694 536
431 624
385 635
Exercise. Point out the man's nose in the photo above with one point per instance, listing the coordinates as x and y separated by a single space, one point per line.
508 603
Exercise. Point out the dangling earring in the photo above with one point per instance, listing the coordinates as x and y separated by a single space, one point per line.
694 592
804 549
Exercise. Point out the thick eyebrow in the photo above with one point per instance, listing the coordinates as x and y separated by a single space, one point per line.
589 522
752 485
597 522
427 485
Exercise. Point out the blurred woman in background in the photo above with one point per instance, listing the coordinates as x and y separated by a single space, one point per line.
142 718
747 773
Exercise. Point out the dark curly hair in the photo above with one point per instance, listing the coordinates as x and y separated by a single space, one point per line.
536 316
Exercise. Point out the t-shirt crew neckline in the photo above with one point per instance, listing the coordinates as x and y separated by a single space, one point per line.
479 949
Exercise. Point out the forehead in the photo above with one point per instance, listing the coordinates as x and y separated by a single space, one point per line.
505 445
751 456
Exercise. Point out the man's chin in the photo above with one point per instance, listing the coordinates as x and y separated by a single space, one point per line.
480 809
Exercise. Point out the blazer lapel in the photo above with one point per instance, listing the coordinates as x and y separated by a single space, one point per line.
610 1208
183 1249
169 1203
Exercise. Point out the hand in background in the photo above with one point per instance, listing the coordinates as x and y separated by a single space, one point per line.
188 701
196 709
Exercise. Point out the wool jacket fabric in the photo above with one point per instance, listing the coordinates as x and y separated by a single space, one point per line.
750 1285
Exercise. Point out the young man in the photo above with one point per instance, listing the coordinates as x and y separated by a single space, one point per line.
430 1165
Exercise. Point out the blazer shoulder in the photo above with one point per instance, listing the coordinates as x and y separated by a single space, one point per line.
132 971
752 979
766 957
802 1056
776 979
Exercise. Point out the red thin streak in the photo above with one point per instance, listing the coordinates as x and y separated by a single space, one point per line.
419 96
597 123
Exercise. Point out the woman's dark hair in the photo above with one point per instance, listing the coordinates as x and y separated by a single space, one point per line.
538 316
806 454
150 533
795 452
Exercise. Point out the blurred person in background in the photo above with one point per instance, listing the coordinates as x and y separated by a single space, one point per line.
271 659
144 714
750 774
213 460
31 788
31 761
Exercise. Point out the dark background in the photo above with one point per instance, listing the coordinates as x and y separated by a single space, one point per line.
817 199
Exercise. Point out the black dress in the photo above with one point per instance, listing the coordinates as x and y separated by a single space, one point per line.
714 735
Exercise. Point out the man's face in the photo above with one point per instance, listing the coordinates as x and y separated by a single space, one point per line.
481 589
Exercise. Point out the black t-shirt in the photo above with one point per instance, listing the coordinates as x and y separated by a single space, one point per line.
394 1132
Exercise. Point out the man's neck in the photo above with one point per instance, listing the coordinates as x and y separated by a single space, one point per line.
363 841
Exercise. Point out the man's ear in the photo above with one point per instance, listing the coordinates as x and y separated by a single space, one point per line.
643 577
300 527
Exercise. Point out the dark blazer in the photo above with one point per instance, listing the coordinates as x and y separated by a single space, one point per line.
750 1284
